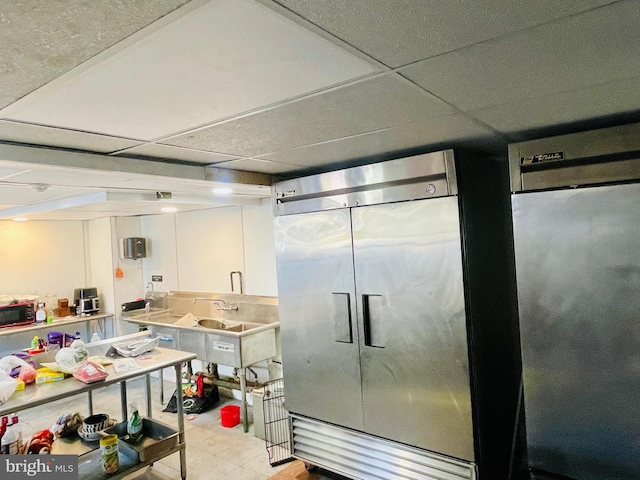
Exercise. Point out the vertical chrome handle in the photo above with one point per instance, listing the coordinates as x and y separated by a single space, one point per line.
374 330
342 328
239 277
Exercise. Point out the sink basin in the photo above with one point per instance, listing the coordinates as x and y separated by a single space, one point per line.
228 326
215 324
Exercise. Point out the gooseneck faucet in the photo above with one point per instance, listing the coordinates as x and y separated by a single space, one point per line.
220 304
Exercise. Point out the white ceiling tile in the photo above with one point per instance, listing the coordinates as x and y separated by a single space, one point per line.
42 40
591 48
157 150
445 132
373 104
220 51
613 98
58 137
405 31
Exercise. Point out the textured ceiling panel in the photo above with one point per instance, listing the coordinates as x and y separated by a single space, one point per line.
402 31
58 137
611 98
588 49
383 102
454 129
176 153
257 165
222 59
42 40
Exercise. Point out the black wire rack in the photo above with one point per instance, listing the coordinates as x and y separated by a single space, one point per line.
277 430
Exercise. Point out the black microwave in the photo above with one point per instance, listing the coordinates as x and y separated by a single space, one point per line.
17 313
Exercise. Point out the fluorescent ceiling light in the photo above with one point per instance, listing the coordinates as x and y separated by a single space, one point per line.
20 219
222 190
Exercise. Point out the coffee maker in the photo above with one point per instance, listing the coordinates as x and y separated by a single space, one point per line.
86 300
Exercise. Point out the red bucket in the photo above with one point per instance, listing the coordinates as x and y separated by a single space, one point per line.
230 416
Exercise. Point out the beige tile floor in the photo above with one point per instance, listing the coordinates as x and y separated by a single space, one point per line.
213 451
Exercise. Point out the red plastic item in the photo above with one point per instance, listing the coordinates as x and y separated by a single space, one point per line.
89 372
230 416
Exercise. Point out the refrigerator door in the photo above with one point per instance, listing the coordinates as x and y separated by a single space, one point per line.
320 352
415 370
578 273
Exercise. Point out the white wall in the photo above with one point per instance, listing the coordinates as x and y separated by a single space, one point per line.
41 257
159 231
259 250
196 251
209 247
193 251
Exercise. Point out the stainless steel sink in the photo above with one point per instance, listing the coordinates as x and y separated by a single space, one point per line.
236 337
225 342
215 324
228 326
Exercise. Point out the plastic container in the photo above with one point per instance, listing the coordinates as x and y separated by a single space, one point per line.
11 439
60 340
133 349
109 453
230 416
134 424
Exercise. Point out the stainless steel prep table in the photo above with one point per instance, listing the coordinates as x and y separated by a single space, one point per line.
18 337
88 465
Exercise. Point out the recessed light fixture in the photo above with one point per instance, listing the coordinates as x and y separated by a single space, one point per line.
169 209
20 219
222 190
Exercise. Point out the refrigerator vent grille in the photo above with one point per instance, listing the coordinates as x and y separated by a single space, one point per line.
365 457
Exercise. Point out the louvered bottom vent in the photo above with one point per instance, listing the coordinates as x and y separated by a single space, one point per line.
363 457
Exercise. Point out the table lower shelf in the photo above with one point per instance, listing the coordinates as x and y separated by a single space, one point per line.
90 466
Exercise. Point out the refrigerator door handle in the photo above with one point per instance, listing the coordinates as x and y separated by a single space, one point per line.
374 332
342 327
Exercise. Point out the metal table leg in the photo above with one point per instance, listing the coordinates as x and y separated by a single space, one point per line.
123 400
147 379
90 402
180 413
242 374
161 387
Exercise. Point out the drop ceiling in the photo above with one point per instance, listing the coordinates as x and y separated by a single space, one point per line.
108 103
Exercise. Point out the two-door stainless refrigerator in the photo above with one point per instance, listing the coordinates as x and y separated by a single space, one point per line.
576 219
398 318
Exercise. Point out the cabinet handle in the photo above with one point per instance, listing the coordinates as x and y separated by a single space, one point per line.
342 318
374 331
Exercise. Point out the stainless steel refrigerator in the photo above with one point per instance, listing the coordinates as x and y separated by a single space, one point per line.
576 213
398 325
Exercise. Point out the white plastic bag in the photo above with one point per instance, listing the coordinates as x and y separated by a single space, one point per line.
70 358
27 372
8 384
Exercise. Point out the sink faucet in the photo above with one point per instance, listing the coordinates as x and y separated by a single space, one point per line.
220 304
